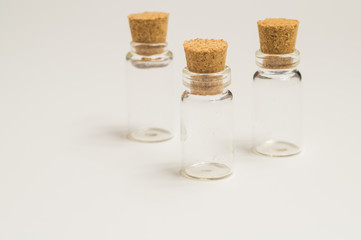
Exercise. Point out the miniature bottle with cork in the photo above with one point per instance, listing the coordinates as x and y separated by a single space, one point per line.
206 111
150 79
277 93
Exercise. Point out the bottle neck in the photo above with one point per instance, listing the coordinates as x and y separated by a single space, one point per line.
148 49
205 84
277 63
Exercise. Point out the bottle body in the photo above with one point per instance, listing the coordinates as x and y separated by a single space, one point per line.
206 133
277 105
150 93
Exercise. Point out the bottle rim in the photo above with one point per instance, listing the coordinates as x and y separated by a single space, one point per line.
277 61
148 49
207 83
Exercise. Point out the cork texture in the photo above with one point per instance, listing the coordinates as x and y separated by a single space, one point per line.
149 27
277 35
206 55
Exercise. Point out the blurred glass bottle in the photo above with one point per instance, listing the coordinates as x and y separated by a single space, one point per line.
150 79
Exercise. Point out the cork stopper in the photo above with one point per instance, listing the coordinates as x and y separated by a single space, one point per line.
277 35
206 57
149 27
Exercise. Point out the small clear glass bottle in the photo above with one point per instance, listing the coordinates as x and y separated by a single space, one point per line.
150 92
277 105
207 125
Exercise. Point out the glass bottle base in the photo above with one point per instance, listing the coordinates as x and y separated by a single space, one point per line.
277 149
207 171
150 135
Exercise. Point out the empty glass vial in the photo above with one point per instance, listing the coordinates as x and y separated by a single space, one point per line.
207 125
277 105
150 92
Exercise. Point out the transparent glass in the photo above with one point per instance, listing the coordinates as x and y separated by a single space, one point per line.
277 105
207 125
150 92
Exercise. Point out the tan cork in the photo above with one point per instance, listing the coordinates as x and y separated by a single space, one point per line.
149 27
206 56
277 35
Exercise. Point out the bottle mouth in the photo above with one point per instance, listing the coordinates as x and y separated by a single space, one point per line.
207 83
277 61
148 49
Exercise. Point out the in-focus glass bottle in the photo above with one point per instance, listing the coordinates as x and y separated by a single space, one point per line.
150 92
207 125
277 100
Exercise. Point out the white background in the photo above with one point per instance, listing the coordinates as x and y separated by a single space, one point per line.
67 172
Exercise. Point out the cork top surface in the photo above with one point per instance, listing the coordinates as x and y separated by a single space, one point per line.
205 45
278 22
277 35
149 27
148 16
206 55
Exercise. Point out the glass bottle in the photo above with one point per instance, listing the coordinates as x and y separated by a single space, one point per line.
207 125
277 105
150 92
